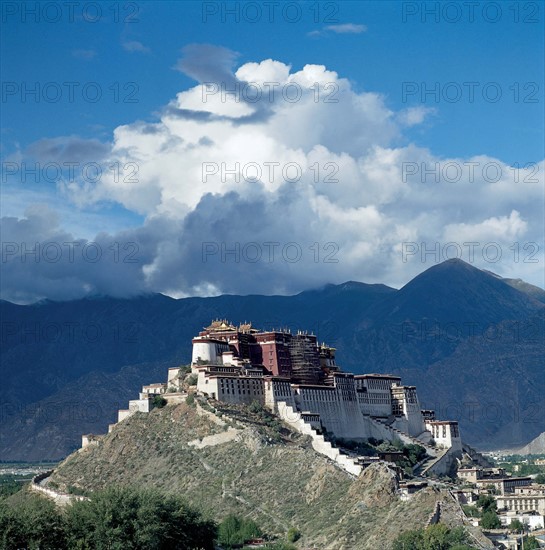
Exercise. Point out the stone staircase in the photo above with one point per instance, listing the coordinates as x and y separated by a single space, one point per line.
406 438
438 459
351 463
319 443
427 464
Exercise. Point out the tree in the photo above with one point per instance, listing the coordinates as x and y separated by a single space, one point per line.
119 518
471 511
410 540
32 522
433 537
436 537
530 543
516 525
249 530
234 530
415 453
490 520
487 503
540 478
228 531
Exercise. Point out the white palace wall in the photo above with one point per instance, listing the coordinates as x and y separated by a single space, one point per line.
233 389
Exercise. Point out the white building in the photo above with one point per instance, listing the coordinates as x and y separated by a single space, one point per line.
208 350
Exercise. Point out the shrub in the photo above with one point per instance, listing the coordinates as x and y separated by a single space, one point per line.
158 402
185 369
516 525
255 407
73 490
433 537
490 520
190 400
191 380
293 534
471 511
531 543
540 478
234 531
487 503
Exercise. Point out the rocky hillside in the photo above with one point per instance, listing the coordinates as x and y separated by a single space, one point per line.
261 470
535 447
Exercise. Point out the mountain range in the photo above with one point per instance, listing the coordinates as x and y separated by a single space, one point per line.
472 342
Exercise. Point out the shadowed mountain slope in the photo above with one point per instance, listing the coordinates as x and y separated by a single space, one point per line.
458 333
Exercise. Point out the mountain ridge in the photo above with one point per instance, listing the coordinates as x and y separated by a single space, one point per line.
441 320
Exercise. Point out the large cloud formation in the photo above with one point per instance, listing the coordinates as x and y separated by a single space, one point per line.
269 180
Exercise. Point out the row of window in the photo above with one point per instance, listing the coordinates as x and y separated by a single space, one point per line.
319 395
376 399
438 432
523 504
378 383
242 392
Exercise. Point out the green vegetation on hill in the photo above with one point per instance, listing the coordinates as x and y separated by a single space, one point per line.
412 453
233 531
434 537
113 519
30 521
9 485
490 520
486 509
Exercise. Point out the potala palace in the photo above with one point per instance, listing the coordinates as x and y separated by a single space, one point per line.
298 379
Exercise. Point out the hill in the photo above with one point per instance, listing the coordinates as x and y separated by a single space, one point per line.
269 474
472 343
535 447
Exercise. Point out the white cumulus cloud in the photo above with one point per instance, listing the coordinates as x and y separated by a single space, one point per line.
265 178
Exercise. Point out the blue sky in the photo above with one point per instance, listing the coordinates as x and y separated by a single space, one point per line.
390 52
384 48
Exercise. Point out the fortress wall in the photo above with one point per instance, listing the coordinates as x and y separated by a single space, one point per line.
61 499
375 403
204 351
401 423
139 405
215 439
415 420
443 463
122 414
338 408
172 374
378 430
319 444
178 397
242 390
277 391
89 439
